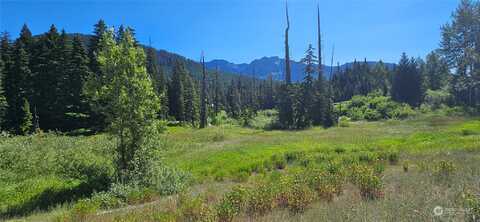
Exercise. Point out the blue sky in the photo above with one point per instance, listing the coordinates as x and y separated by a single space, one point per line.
243 30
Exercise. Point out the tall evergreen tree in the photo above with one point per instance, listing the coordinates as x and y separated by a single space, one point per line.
305 112
407 85
94 45
3 101
159 81
76 105
48 71
234 100
219 95
15 94
5 57
176 92
191 101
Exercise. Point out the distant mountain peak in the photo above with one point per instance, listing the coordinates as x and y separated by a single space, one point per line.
274 65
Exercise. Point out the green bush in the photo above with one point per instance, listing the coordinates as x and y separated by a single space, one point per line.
231 204
264 119
372 107
437 98
83 208
372 115
368 181
166 180
195 209
443 170
343 121
300 197
279 161
222 118
261 200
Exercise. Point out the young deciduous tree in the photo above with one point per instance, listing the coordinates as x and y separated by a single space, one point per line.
129 102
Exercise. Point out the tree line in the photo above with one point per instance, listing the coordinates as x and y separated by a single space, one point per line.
43 80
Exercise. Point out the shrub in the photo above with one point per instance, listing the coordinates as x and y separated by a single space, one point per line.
241 176
443 170
131 194
326 183
222 118
468 132
391 156
292 156
339 150
83 208
402 112
194 209
372 115
231 204
370 184
264 119
166 180
437 98
261 200
343 121
367 157
300 196
218 136
279 161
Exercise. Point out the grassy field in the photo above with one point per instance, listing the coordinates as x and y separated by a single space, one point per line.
424 162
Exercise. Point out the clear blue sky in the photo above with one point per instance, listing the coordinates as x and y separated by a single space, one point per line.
242 30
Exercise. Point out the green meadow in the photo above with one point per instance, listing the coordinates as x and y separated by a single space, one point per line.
44 176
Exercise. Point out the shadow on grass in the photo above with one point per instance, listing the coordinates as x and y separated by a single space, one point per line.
51 197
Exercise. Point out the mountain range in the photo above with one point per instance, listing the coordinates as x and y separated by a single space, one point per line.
258 68
261 68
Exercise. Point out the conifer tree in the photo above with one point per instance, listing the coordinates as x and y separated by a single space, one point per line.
76 105
407 85
219 96
176 92
234 100
15 94
28 42
94 45
25 118
5 57
159 81
191 101
48 72
3 101
305 112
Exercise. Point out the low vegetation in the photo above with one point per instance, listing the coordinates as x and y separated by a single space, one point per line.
261 173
